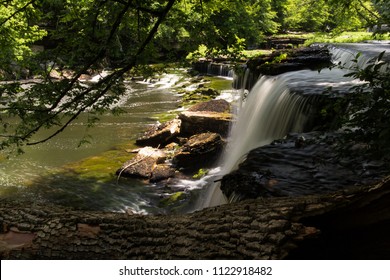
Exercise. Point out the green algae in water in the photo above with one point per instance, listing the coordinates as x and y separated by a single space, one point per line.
102 167
172 199
219 84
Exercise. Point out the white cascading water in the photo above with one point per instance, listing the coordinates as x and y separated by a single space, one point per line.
271 110
345 54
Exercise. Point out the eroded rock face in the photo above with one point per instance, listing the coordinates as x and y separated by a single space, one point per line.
200 151
302 164
291 60
160 134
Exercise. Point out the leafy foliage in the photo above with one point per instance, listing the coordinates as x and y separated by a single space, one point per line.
328 15
369 108
18 29
86 36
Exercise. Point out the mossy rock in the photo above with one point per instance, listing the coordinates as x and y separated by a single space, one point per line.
172 200
199 95
220 84
200 174
101 167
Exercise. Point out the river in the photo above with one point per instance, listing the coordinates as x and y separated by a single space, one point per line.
61 172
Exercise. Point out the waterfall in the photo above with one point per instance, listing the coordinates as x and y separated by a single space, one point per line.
278 105
347 57
358 55
269 112
214 68
220 69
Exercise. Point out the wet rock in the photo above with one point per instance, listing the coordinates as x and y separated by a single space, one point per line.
173 199
302 164
217 105
161 134
143 164
200 150
162 172
204 121
279 62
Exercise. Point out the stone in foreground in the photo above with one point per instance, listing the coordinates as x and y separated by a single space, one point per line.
200 150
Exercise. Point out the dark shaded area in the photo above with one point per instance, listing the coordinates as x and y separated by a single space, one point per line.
358 243
301 164
358 232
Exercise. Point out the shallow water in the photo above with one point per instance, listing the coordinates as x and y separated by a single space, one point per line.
60 171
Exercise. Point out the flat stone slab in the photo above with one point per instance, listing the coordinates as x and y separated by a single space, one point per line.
217 106
196 122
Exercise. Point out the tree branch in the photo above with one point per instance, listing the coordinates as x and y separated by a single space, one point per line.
265 228
114 76
368 10
155 13
73 81
17 11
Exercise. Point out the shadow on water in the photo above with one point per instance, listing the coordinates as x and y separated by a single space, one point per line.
71 190
61 172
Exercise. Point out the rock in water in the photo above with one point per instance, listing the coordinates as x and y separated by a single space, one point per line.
202 122
200 150
143 164
217 106
161 134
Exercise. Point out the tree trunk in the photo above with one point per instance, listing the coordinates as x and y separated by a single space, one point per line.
273 228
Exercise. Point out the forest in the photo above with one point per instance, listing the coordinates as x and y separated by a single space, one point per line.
40 36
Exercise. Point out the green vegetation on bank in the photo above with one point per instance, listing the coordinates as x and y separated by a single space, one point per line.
344 37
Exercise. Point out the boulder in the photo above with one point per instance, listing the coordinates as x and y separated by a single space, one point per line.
204 121
216 105
160 134
211 116
162 172
143 164
201 150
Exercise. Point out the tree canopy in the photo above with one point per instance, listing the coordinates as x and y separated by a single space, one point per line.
74 37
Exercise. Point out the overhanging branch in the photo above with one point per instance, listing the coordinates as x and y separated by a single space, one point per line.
107 80
17 11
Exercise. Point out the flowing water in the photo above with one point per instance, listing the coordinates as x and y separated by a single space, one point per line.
42 173
278 105
274 107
